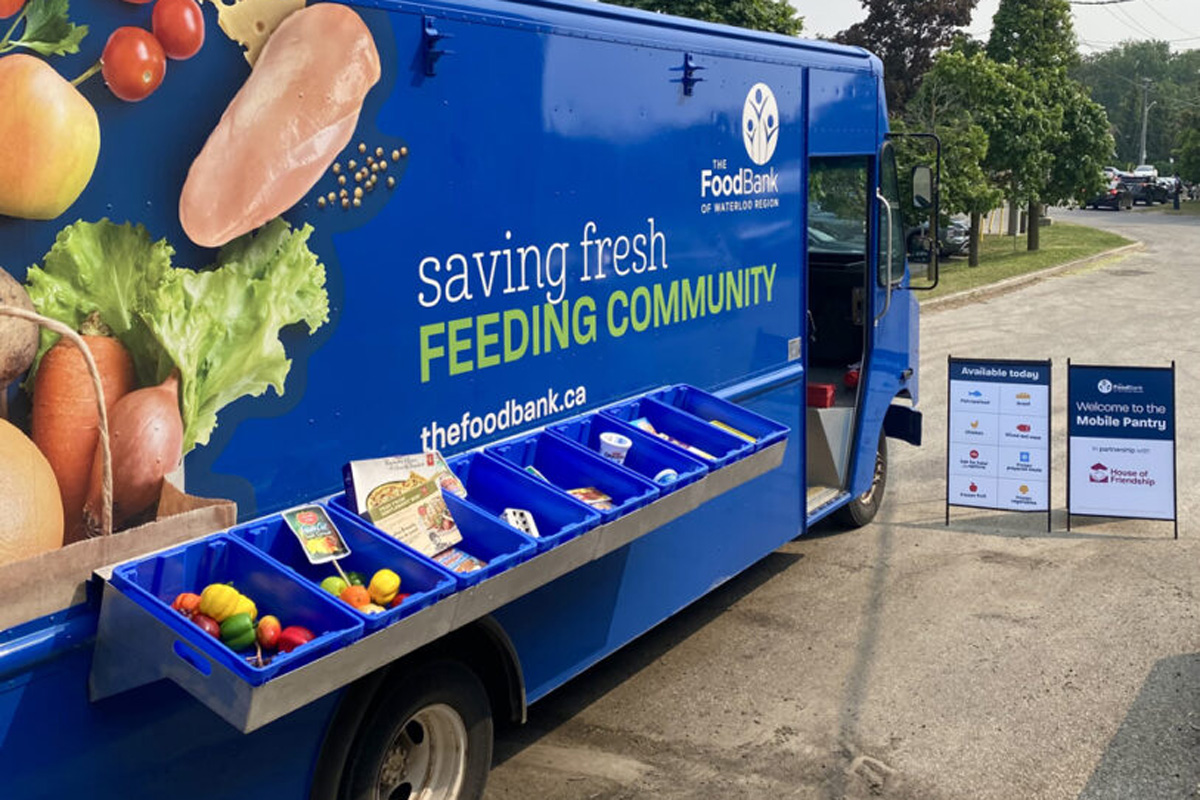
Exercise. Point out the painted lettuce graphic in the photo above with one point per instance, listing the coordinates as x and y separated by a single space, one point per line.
219 326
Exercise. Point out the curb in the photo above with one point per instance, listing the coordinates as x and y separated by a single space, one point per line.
1017 281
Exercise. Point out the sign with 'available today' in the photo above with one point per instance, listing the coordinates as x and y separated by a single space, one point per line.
1121 441
999 437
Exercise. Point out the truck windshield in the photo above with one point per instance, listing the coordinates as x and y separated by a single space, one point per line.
837 206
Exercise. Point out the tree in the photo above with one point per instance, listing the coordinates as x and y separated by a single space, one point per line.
776 16
1125 78
906 35
1189 156
1035 34
952 101
1036 41
1080 147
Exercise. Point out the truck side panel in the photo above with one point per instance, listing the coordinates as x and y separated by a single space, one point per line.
570 624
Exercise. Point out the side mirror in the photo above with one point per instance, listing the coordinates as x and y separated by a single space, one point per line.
922 183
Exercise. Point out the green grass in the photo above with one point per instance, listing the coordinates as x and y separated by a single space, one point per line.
1188 208
1002 257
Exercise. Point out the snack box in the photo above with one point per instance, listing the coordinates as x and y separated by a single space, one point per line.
493 485
579 472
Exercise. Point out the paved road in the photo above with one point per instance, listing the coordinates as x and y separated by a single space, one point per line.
909 660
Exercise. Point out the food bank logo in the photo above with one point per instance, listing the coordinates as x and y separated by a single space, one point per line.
760 123
1098 473
726 185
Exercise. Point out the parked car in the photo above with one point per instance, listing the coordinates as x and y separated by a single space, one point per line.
1147 190
954 237
1117 196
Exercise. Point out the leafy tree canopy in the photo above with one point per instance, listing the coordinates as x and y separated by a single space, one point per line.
1034 34
776 16
906 35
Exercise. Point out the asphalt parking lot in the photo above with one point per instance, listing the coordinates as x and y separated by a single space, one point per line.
984 659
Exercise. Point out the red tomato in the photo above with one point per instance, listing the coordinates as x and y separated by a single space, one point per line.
398 599
10 7
293 636
179 27
208 625
133 63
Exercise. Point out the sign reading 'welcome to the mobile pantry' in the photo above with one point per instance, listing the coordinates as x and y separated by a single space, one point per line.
1121 441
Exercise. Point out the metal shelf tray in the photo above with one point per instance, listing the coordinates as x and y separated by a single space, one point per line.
133 648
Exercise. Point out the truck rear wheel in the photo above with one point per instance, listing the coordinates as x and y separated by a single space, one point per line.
862 509
429 738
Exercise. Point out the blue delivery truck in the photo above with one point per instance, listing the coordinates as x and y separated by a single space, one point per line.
641 282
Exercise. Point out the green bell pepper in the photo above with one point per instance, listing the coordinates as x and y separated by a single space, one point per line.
237 632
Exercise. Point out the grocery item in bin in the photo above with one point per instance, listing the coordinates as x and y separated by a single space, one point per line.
641 423
522 520
614 446
231 617
402 496
593 497
456 560
537 473
317 534
730 429
666 477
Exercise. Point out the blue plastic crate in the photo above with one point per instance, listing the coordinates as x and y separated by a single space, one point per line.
154 582
711 408
370 551
723 447
648 456
493 486
485 537
568 466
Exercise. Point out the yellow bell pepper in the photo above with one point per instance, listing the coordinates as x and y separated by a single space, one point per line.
384 586
219 601
246 606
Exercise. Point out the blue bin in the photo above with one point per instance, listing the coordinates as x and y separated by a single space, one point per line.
425 583
711 408
154 582
723 447
493 486
484 537
648 456
569 466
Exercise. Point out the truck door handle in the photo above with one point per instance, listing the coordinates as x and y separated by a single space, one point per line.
887 303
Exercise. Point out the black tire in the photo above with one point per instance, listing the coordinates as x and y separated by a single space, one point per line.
392 732
862 509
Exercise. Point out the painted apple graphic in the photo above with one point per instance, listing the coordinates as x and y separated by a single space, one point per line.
973 487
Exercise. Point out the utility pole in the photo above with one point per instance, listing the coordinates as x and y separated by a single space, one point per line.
1146 106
